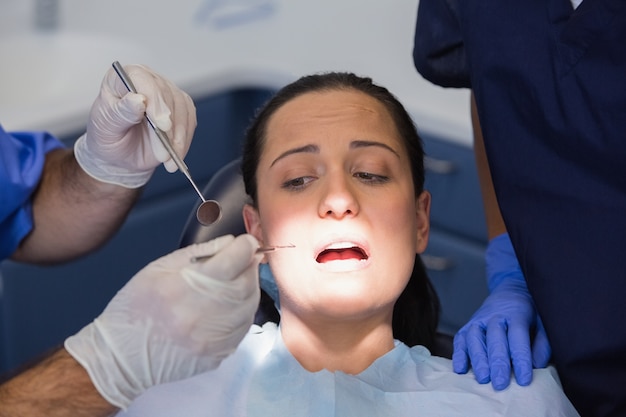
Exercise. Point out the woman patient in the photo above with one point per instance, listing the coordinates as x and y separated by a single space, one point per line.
333 166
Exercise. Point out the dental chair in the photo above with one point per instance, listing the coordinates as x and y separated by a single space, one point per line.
226 186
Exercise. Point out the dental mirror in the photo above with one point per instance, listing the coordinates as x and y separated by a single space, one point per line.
209 211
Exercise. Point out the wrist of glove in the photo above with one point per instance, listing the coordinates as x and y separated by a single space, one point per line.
506 329
102 170
501 263
172 320
119 147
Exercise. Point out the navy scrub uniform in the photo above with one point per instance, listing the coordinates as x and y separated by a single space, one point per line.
550 87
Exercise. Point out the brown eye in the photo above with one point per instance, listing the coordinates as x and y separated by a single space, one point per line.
297 183
368 177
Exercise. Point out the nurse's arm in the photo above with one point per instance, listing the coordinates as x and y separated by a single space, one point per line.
56 387
495 223
74 213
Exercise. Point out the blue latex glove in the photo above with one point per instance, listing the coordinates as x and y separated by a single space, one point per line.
268 284
499 333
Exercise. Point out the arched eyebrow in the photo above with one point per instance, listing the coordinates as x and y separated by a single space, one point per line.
366 143
315 149
301 149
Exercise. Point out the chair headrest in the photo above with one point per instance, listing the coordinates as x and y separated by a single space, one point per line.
226 187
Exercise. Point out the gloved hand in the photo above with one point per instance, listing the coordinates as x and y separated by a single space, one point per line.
172 320
119 146
499 333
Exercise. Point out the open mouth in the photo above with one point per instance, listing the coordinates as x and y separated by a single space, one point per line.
342 252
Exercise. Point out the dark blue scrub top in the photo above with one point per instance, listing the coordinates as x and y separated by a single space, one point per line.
550 87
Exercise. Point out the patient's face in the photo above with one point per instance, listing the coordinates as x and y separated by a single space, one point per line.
334 180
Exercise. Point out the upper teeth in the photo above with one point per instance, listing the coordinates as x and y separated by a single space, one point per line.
341 245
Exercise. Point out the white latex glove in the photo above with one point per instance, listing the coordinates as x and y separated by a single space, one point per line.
172 320
119 146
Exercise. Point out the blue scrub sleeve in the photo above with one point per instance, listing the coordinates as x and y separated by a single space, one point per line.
22 157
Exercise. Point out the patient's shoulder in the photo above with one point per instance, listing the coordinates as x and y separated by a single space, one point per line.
545 391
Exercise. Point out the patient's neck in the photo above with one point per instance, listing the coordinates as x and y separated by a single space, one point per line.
349 346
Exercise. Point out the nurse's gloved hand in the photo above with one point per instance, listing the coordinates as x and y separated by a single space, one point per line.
172 320
506 329
119 146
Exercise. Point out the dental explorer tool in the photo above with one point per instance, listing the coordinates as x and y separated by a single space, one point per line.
263 249
209 211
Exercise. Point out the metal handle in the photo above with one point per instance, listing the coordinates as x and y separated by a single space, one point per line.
265 249
160 134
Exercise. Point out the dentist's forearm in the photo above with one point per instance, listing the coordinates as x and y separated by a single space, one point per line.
56 387
73 213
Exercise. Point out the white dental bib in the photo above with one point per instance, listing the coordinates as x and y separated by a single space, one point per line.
263 379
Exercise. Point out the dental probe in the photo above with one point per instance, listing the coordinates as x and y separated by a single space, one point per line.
209 211
264 249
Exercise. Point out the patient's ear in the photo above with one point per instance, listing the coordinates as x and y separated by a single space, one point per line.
253 222
423 221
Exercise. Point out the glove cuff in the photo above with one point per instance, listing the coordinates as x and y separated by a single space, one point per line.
88 347
502 262
106 172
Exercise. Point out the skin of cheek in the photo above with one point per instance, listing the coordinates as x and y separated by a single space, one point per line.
361 292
